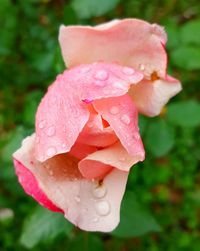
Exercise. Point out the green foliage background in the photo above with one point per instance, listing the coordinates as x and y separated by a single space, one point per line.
161 208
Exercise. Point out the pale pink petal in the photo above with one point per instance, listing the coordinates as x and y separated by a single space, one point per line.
95 134
151 96
122 115
99 163
129 42
60 117
100 80
90 205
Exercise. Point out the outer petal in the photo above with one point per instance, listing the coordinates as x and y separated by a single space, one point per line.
130 42
90 205
99 163
121 114
60 118
151 96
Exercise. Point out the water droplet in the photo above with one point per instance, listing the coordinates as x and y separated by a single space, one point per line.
122 159
99 191
51 131
141 67
125 119
95 219
102 207
114 110
136 136
119 85
128 70
51 151
77 199
85 69
64 145
51 172
42 124
90 125
101 75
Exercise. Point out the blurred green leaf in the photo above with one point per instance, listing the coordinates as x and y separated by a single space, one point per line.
86 242
159 138
186 57
32 100
135 220
184 113
13 144
43 226
93 8
189 32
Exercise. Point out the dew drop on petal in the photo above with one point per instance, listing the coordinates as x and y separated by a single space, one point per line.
128 70
118 85
95 219
51 151
51 131
125 119
141 67
85 69
114 110
42 124
122 159
99 191
102 207
90 125
77 199
101 75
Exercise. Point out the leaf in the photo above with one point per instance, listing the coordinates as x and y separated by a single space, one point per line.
43 226
187 57
159 138
189 32
14 142
30 106
86 242
184 113
135 220
93 8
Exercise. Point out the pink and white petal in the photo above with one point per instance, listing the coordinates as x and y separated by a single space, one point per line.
122 115
130 42
100 80
60 118
95 134
31 186
90 205
151 96
99 163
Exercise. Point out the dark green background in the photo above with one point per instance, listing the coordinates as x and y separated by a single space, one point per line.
161 208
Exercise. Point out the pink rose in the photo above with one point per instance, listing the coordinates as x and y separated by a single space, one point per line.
87 135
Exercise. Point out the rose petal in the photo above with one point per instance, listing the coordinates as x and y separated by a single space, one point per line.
31 186
121 114
95 134
130 42
99 163
151 96
60 118
90 205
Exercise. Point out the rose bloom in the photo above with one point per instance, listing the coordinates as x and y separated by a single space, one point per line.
87 136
